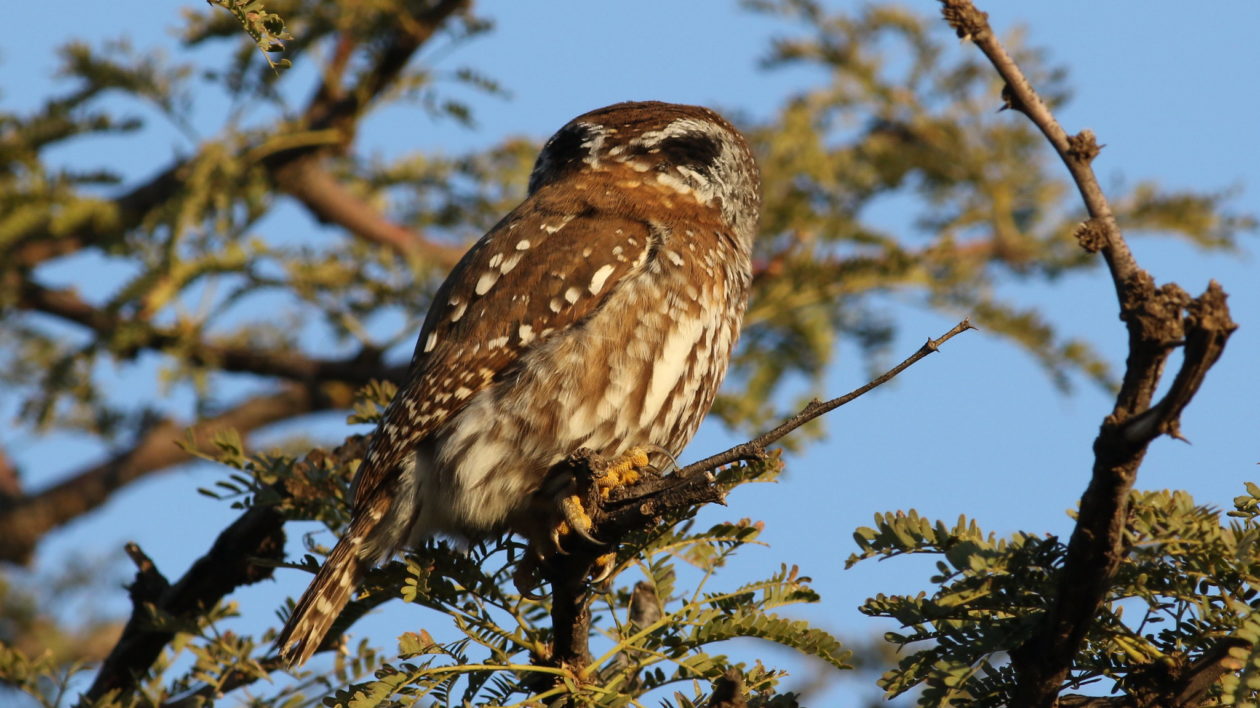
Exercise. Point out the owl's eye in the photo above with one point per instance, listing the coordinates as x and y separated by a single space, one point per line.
692 150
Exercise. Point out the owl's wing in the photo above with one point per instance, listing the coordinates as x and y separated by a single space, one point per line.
542 269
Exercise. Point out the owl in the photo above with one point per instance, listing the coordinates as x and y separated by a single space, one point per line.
600 314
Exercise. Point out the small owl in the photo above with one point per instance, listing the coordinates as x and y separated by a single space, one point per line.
599 314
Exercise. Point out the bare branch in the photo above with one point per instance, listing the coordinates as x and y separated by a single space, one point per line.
755 449
1158 319
24 521
1077 151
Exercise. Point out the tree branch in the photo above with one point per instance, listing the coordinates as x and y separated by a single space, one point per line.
230 563
25 520
331 107
10 484
755 449
331 203
66 304
128 211
1158 320
334 106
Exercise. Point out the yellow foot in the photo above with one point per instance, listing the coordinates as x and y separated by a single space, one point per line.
620 472
563 508
603 567
623 471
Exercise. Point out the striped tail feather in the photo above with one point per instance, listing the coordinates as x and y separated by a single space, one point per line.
323 601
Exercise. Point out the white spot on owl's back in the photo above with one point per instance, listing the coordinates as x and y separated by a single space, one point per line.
571 295
463 392
509 263
526 333
460 307
497 342
552 228
495 260
555 305
430 342
522 245
486 281
673 257
600 277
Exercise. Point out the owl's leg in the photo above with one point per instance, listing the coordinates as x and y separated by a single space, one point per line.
622 471
568 507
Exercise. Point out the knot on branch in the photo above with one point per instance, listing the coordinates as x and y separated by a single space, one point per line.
1091 235
1011 100
967 22
1083 147
1154 314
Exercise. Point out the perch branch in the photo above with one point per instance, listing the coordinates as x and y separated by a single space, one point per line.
1158 320
653 498
755 449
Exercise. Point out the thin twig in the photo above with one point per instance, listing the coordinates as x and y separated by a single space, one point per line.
755 449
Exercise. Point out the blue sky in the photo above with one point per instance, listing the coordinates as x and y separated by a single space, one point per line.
976 429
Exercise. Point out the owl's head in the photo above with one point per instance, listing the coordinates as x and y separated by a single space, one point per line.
689 148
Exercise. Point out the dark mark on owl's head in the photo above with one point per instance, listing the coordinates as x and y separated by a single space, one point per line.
562 154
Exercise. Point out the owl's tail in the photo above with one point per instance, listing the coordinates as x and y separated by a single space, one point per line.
323 601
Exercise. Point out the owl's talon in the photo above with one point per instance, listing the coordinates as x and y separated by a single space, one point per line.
579 522
673 461
603 567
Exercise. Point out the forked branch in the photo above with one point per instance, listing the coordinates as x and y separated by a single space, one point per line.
1158 320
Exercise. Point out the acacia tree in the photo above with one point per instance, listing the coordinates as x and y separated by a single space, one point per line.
1012 621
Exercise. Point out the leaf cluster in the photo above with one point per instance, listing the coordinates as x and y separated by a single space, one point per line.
1189 580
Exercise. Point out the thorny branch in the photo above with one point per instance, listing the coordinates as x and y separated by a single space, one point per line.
1158 320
